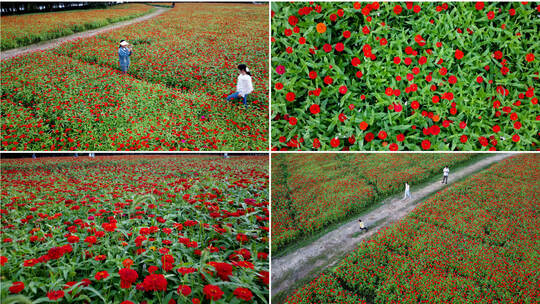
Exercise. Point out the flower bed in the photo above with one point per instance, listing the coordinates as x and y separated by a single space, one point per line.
129 229
415 76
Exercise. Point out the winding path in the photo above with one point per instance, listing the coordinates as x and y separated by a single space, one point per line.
49 44
308 261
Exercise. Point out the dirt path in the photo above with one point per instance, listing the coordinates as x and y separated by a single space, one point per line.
326 251
49 44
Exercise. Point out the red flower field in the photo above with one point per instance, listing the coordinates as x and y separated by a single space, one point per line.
25 29
135 229
310 192
474 242
184 64
394 76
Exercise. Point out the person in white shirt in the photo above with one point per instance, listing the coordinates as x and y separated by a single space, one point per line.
362 226
407 191
445 171
244 86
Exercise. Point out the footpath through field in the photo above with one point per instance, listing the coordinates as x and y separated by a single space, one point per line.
46 45
307 262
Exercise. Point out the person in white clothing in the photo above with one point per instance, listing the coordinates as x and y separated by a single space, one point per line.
445 171
407 191
244 86
362 226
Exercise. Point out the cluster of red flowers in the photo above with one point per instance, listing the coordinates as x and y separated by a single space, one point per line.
342 75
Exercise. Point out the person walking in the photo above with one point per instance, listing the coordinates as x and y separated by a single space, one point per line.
244 86
445 171
362 226
407 191
124 52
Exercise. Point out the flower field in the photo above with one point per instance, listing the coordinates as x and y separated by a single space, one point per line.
74 97
405 76
135 229
310 192
22 30
474 242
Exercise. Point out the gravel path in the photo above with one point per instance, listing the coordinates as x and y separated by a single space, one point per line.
49 44
326 251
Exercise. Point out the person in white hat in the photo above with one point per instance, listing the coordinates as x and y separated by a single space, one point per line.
124 51
244 86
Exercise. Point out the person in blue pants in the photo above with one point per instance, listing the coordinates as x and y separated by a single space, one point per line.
124 51
244 86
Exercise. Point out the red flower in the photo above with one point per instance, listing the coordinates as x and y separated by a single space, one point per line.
316 143
426 144
127 277
382 135
55 295
443 71
101 275
398 9
16 287
184 290
212 292
335 142
243 294
3 260
292 121
529 57
434 130
315 109
479 5
290 96
369 137
343 90
459 54
389 91
327 48
355 61
328 80
342 117
363 125
154 282
223 270
515 138
312 74
490 15
293 20
340 47
393 147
